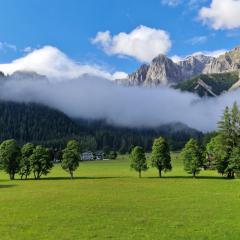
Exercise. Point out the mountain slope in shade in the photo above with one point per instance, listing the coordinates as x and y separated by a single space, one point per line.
34 122
43 125
211 85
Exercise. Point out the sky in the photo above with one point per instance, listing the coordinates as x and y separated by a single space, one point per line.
118 35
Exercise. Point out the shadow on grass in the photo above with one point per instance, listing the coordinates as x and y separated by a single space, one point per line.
7 186
75 178
128 177
190 177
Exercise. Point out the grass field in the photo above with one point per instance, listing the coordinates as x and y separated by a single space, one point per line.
108 201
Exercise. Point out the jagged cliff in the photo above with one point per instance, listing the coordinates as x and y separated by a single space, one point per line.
162 70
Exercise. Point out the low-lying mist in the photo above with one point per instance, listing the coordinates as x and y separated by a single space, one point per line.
96 98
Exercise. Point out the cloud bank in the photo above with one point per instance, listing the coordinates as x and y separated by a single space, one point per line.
143 43
97 98
221 14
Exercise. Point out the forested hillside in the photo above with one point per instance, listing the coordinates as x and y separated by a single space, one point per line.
33 122
41 124
216 83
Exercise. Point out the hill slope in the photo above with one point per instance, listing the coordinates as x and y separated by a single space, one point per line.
33 122
209 85
41 124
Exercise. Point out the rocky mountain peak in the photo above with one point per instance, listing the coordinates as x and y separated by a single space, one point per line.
162 70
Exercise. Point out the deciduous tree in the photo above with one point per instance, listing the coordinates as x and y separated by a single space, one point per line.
25 164
161 157
138 160
71 157
41 163
10 157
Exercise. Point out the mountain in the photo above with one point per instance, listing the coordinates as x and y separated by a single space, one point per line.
228 62
23 75
210 84
163 71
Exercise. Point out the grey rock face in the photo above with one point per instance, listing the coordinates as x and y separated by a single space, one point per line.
139 76
22 75
163 71
228 62
193 66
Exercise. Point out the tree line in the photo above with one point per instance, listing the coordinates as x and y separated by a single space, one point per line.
221 153
36 160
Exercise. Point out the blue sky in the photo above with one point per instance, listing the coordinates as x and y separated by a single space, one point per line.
70 26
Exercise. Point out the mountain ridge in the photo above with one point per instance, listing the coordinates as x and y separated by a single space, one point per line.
164 71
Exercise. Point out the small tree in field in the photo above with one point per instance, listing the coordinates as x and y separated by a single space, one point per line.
217 154
10 157
74 146
192 157
161 158
41 163
71 157
25 164
138 160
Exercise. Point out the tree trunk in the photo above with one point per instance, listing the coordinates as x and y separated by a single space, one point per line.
11 176
71 173
160 173
194 174
139 174
229 175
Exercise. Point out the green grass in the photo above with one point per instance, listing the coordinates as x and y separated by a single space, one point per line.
108 201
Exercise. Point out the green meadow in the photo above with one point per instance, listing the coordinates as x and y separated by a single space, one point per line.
107 200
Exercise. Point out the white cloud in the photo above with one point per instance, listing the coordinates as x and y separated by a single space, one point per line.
197 40
215 53
120 75
28 49
191 4
177 58
53 63
5 45
171 2
221 14
143 43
